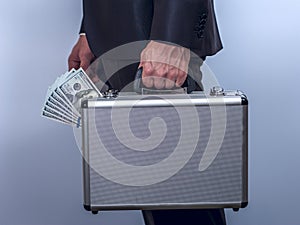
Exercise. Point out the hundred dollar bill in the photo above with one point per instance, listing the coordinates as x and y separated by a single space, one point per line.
63 98
76 83
61 106
59 93
58 113
61 79
57 97
55 118
58 108
61 116
51 94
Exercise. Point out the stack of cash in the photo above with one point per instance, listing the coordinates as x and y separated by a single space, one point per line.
64 96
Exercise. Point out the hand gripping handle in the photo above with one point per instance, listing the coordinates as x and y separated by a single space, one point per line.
187 87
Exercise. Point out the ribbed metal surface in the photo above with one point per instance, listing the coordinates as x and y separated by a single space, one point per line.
220 183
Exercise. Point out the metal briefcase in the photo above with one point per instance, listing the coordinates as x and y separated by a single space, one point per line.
165 151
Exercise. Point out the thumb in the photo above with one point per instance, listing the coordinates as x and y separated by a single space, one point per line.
84 63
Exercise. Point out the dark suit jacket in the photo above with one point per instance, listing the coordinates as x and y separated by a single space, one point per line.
189 23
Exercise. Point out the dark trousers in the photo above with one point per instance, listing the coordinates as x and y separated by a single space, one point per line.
185 217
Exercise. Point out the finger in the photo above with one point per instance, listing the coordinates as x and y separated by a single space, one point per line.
180 78
147 69
147 78
160 72
160 69
73 62
159 82
84 63
169 83
148 81
171 77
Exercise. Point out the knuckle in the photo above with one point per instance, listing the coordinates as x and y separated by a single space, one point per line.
161 72
182 73
147 71
172 74
182 76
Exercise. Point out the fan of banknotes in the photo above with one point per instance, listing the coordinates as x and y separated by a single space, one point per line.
64 96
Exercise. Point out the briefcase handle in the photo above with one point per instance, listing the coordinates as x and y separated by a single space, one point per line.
188 86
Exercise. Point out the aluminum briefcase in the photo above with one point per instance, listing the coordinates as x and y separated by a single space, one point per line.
163 151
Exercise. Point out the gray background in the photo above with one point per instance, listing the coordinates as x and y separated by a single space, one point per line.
40 166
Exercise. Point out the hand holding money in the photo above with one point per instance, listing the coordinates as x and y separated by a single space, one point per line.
81 55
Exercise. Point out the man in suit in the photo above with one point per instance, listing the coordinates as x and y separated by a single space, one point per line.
175 27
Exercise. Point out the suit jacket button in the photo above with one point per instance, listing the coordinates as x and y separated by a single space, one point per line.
204 16
197 29
202 21
200 34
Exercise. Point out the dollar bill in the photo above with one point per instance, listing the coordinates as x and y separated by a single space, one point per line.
65 105
61 110
55 118
61 116
63 98
61 106
52 95
74 84
59 93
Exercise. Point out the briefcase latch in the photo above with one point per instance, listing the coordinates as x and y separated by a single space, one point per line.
217 91
111 93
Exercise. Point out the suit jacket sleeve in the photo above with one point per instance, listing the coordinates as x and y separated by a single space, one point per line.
189 23
82 30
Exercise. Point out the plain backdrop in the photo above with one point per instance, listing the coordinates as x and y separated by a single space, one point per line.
40 165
